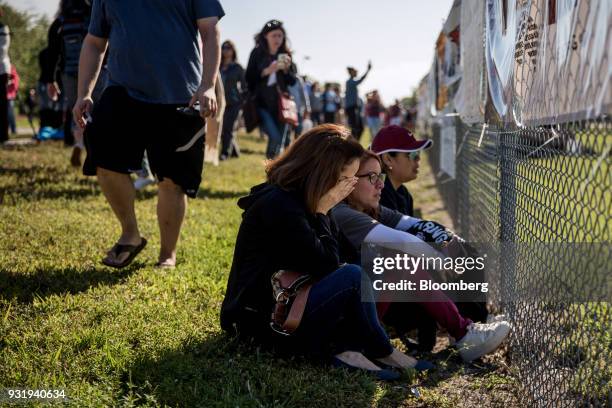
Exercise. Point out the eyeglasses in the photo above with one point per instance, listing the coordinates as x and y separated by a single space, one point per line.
226 47
373 178
413 155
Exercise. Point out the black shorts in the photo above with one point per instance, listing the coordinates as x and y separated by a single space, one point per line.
122 128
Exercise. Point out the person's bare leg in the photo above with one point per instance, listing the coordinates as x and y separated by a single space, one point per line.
171 206
119 193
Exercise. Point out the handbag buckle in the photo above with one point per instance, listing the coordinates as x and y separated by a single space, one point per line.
283 296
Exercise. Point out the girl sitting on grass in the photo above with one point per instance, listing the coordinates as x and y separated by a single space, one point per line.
361 219
286 226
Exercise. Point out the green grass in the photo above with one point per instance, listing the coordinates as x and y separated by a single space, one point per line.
142 336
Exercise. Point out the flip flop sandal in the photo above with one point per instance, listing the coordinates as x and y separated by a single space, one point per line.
132 250
165 265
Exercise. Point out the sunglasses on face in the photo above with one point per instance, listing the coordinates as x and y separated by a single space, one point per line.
273 24
413 155
227 47
373 178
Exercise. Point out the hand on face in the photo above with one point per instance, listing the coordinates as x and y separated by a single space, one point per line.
342 189
336 194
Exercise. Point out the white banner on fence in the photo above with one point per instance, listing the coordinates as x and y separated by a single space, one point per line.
548 60
470 98
562 64
448 141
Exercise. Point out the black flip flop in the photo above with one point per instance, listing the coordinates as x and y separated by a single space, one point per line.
133 250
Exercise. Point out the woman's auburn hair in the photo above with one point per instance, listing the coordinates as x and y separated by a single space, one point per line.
313 163
365 157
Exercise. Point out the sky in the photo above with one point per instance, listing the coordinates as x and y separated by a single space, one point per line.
326 36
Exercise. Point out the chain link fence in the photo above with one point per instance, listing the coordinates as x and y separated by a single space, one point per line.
518 103
537 185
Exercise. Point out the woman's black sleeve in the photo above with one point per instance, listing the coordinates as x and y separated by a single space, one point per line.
253 74
311 247
290 75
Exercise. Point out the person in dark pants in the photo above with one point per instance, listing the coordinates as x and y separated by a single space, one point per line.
271 68
235 86
286 226
65 39
5 71
351 101
164 57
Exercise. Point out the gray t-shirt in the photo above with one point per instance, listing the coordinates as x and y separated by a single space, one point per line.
356 225
154 45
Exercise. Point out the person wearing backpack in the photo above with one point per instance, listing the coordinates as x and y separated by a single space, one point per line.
65 38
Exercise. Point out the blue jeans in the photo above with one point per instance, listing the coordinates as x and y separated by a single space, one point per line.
274 129
374 124
11 116
336 319
229 144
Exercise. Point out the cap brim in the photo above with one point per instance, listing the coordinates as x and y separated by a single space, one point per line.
420 145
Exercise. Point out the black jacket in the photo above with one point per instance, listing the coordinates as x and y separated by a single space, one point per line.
267 96
234 83
399 200
277 232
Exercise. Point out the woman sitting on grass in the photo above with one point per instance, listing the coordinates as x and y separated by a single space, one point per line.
361 219
400 156
286 226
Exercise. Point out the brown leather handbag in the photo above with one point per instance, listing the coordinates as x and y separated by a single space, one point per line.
287 108
290 291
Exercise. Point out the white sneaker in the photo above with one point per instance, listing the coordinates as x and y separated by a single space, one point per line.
481 339
491 318
142 182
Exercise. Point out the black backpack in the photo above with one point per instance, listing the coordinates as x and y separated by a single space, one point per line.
73 29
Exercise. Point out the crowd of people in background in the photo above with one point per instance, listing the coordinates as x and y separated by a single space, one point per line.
270 72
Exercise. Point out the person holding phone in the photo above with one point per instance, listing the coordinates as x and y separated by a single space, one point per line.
164 54
271 68
286 226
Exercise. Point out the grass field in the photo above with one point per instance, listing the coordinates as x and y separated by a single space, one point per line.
147 337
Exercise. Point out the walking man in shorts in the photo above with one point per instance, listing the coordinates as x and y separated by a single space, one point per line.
157 66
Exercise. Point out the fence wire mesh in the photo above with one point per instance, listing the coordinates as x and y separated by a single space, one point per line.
536 185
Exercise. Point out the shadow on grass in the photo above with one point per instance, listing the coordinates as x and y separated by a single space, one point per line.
41 182
47 282
31 192
202 193
247 151
220 372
